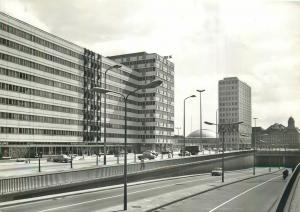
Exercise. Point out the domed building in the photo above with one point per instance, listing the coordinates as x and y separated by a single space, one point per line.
193 139
206 133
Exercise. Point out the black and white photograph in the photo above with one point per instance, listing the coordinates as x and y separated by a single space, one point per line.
149 105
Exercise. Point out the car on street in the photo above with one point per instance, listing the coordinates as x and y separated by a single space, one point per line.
59 158
153 153
187 153
216 171
21 160
147 155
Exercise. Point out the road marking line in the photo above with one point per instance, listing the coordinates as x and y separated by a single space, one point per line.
229 174
81 203
243 193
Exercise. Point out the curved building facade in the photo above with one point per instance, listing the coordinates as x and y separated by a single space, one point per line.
46 99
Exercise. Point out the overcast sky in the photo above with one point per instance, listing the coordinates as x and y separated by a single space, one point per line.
257 41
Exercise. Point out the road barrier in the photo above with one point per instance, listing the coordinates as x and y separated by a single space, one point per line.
286 196
45 180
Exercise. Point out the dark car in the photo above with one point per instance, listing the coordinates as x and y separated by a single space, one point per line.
59 158
147 155
187 153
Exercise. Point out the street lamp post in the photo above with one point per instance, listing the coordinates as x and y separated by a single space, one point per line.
217 139
254 147
223 128
152 84
200 91
192 96
39 154
104 137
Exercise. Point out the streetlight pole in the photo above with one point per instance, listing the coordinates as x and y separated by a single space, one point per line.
217 140
200 91
192 96
223 128
152 84
104 138
254 147
39 154
223 147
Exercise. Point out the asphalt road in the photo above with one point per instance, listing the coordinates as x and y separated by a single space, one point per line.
102 199
253 195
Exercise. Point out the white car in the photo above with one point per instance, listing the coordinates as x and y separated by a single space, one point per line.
216 172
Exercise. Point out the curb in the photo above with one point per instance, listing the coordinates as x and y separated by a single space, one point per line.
47 197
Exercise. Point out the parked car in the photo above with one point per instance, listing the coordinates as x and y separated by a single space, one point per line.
164 152
216 172
147 155
21 160
187 153
153 152
59 158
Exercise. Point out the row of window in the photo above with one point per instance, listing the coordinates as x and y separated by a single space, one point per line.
144 70
94 127
228 98
45 94
40 67
31 131
229 109
121 117
44 119
38 40
228 114
89 137
32 78
228 103
40 106
137 62
40 54
51 45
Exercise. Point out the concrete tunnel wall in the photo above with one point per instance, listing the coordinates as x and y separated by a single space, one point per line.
231 163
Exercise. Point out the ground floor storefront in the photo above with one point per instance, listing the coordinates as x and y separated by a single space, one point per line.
31 150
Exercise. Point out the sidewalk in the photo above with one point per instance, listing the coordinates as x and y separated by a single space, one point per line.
11 168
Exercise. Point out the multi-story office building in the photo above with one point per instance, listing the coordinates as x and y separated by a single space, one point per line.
235 106
46 98
158 113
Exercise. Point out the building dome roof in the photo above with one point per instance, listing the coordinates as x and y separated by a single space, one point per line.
276 126
206 133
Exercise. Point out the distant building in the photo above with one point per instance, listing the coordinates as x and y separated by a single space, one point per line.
207 141
235 106
278 136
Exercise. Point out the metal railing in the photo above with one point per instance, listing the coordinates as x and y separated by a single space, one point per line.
46 180
283 203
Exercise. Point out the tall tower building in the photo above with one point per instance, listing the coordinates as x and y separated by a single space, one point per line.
158 103
235 106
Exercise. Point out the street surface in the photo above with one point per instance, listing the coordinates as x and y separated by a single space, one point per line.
111 199
11 168
256 194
